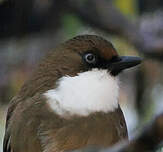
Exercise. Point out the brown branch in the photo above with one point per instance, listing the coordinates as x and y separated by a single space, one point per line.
103 15
150 139
19 18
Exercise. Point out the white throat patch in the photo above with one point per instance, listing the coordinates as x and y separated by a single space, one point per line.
88 92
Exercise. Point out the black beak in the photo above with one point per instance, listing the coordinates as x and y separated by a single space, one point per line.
123 62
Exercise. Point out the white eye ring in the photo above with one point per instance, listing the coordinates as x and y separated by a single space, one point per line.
90 58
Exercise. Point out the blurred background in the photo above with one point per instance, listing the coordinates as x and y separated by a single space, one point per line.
31 28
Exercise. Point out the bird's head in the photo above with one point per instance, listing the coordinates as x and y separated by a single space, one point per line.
91 51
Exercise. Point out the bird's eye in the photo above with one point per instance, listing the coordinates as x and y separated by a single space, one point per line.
90 58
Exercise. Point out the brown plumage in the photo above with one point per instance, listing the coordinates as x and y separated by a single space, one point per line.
32 126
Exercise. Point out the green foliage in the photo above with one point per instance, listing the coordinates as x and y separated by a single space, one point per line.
71 25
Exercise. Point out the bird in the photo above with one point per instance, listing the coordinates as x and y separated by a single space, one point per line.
71 99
